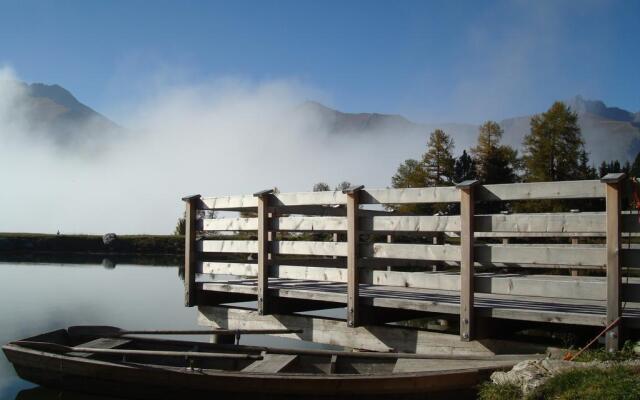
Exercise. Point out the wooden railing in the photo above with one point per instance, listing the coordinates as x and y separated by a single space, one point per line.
278 223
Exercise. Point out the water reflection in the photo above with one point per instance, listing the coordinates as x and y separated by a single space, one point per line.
35 298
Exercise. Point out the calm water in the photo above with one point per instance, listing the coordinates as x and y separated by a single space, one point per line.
35 298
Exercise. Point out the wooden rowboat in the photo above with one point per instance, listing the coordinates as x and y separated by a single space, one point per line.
149 368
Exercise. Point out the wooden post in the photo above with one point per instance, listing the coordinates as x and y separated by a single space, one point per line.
353 237
191 206
263 250
467 259
613 194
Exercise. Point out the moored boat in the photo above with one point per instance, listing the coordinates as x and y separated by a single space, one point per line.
129 366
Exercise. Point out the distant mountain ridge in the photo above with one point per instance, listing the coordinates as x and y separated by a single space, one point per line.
609 132
50 112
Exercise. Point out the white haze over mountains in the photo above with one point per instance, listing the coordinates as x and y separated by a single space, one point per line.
216 138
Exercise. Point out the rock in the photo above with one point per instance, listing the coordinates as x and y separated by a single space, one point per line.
109 238
530 374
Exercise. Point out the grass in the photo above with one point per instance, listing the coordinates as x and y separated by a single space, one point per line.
613 383
600 354
617 382
491 391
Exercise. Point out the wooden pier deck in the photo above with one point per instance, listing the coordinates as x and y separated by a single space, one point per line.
310 251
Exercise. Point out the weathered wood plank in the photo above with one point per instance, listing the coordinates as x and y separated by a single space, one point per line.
549 224
228 202
413 251
551 286
486 254
541 190
374 338
577 255
444 194
228 224
432 223
228 246
270 363
542 223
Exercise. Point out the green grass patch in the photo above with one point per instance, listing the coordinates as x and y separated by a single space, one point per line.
614 383
617 382
491 391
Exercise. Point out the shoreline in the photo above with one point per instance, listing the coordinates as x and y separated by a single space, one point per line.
90 249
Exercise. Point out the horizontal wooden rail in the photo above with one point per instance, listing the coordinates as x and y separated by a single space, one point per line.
541 191
542 254
529 223
552 286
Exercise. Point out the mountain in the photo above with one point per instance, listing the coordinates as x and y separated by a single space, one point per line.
610 133
52 113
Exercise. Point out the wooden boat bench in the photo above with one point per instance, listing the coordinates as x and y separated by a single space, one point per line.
101 343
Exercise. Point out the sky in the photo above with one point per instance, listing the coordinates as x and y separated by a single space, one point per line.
432 61
209 94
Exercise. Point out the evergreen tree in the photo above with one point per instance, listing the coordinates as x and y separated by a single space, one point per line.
344 185
495 163
438 161
465 168
321 187
553 148
635 167
410 174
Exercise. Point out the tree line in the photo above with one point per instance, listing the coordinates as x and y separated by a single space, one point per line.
553 150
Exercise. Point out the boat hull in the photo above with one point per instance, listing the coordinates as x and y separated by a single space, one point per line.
148 382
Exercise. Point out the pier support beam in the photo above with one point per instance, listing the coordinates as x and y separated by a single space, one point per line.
191 207
263 250
353 239
612 195
466 261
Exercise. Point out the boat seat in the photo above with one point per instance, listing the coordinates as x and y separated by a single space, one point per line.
101 343
271 363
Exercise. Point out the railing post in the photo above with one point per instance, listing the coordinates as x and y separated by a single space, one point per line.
613 194
191 207
263 250
353 237
466 259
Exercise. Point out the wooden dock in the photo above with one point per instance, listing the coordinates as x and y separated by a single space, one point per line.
318 250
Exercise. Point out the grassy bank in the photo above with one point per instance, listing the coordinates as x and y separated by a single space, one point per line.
607 376
32 247
616 382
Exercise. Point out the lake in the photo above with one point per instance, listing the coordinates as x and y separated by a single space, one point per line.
35 298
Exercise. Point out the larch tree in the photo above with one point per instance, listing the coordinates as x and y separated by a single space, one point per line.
410 174
554 146
438 161
495 163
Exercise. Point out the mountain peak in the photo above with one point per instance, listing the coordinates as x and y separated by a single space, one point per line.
599 108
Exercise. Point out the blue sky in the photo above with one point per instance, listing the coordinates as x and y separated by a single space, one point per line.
429 60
